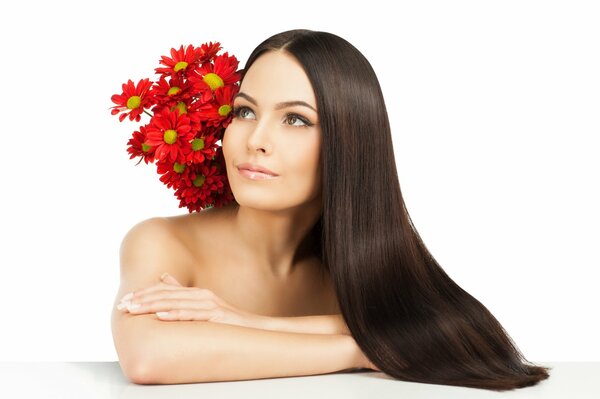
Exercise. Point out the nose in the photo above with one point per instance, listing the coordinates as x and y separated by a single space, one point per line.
259 139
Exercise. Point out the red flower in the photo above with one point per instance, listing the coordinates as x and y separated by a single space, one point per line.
207 183
203 147
173 174
170 132
139 148
219 112
191 104
222 73
181 61
169 94
224 196
208 51
133 100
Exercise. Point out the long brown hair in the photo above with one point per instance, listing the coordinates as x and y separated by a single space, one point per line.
405 313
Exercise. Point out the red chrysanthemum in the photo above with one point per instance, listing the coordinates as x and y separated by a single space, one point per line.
221 73
194 105
133 100
170 94
208 51
218 114
181 61
170 133
207 183
203 147
138 147
191 104
174 174
202 91
200 111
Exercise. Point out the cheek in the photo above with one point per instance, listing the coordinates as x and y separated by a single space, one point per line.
227 143
306 162
313 153
228 150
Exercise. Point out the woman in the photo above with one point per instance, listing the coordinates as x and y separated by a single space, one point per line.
324 229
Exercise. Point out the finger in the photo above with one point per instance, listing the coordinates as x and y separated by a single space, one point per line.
163 305
166 281
186 315
167 278
143 295
153 288
163 291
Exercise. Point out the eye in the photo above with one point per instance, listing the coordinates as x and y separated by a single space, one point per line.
239 111
296 117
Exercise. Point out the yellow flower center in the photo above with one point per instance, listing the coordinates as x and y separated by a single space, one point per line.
180 65
224 109
134 102
213 80
145 147
199 180
179 168
170 136
197 144
181 107
173 91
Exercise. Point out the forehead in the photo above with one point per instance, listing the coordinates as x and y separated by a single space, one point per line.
277 76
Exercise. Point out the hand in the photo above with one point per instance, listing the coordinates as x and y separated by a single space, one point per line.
173 302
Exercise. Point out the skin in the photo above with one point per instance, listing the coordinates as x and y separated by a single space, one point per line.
254 244
274 215
260 236
172 301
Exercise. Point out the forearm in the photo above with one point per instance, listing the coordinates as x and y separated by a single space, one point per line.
189 352
320 324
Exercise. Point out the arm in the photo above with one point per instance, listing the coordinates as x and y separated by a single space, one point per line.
192 351
320 324
155 351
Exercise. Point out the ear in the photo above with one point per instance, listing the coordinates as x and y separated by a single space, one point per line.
167 278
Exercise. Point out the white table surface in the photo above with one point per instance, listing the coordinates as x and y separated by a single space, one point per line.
90 380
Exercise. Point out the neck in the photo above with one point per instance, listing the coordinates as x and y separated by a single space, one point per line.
274 240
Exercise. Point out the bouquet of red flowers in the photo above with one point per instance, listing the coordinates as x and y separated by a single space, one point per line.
190 104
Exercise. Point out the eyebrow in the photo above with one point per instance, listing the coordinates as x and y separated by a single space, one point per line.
280 105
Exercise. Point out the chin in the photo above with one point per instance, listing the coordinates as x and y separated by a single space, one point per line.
258 201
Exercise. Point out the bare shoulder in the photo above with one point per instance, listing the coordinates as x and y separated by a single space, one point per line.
214 263
153 245
149 249
203 233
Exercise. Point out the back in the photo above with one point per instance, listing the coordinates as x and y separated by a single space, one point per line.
149 249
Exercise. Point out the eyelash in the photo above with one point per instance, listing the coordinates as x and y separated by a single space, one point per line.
238 109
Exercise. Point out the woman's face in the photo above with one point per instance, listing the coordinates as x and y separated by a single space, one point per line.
284 138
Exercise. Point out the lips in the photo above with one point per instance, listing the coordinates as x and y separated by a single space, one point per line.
256 168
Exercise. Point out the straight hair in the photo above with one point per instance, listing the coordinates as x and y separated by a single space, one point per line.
405 313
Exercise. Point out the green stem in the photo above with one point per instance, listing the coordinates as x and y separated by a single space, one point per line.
148 113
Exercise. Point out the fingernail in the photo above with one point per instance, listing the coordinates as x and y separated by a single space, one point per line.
127 297
164 276
122 305
131 306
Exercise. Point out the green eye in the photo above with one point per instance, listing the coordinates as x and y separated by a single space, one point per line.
239 111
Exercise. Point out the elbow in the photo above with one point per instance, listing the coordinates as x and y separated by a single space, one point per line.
140 375
135 350
144 371
139 370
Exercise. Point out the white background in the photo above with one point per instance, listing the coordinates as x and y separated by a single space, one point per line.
494 108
